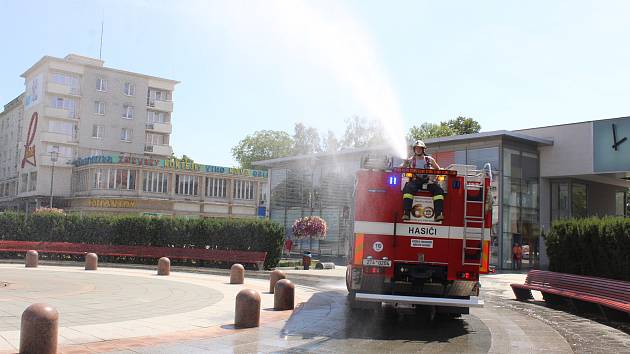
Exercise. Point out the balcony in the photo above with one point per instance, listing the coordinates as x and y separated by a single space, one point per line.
52 137
62 89
163 150
164 128
60 113
165 106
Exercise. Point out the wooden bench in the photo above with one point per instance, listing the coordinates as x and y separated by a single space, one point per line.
612 297
247 257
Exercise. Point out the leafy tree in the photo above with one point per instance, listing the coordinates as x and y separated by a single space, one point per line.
330 144
462 125
305 140
429 130
362 133
457 126
262 145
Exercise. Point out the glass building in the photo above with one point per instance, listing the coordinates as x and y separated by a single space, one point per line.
539 175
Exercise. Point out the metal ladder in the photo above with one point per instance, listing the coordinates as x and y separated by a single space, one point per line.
474 232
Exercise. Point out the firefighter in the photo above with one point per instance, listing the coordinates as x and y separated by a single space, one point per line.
421 160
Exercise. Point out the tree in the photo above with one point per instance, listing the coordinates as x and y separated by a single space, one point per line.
429 130
462 125
362 133
262 145
305 140
330 144
457 126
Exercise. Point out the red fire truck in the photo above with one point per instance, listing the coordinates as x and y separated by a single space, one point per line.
420 263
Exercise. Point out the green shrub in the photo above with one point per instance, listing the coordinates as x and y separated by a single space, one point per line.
593 246
214 233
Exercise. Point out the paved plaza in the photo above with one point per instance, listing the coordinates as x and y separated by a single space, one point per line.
120 310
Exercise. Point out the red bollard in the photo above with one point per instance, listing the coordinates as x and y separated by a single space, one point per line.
284 295
91 261
247 309
274 277
32 259
164 266
39 330
237 274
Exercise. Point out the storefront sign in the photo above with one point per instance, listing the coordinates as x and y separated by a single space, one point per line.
112 203
170 164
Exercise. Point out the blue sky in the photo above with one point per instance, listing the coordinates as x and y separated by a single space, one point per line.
251 65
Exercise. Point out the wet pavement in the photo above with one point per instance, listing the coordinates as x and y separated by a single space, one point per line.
321 323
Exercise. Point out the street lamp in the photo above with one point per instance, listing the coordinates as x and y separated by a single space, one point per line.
54 155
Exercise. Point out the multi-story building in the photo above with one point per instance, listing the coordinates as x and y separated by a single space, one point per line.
11 122
97 139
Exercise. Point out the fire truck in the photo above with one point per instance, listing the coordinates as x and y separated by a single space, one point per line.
427 265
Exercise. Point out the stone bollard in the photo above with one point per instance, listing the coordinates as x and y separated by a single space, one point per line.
247 309
39 330
164 266
237 274
91 261
32 259
284 295
273 279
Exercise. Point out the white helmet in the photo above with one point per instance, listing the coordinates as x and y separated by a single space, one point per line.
419 143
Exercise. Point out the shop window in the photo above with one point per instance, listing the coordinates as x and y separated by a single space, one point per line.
578 200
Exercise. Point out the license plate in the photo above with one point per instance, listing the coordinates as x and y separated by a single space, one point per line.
377 262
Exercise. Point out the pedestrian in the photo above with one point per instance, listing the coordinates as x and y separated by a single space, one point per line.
517 253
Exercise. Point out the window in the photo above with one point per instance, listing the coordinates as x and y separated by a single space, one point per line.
243 190
101 84
129 89
125 134
156 117
155 139
65 128
155 182
216 187
578 200
32 181
23 182
99 108
186 185
97 131
112 178
127 111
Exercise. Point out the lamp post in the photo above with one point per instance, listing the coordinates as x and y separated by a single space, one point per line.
54 155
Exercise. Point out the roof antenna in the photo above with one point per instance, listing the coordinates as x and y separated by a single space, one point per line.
100 49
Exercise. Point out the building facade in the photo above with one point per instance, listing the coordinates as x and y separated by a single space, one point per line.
93 139
539 175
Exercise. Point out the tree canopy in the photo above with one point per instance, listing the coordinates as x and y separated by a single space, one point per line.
457 126
262 145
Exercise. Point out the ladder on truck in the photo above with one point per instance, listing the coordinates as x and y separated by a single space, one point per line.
474 179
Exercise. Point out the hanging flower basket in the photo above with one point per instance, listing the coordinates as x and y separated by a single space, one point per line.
312 227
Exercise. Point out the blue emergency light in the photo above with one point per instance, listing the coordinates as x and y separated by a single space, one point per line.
393 180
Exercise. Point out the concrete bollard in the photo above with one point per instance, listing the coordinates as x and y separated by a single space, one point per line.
274 277
284 295
247 309
164 266
39 330
91 261
32 259
237 274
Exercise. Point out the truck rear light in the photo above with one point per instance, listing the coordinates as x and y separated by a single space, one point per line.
467 276
373 270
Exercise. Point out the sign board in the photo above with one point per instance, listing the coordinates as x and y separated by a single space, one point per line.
611 145
422 210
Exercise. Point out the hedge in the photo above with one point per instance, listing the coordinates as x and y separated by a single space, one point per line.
214 233
594 246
